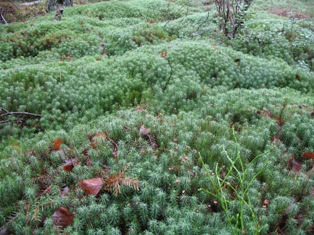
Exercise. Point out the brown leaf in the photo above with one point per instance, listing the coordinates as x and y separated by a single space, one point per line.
163 54
91 186
57 144
70 163
297 76
62 217
309 155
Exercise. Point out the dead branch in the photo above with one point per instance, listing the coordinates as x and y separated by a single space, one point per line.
5 113
3 19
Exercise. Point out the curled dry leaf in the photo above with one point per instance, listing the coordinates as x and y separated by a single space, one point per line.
91 186
309 155
57 143
62 217
70 163
163 54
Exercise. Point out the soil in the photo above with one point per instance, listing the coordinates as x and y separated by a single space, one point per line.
288 13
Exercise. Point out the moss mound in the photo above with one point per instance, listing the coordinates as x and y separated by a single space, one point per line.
139 117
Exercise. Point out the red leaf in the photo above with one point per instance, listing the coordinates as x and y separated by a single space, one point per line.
70 163
62 217
309 155
91 186
57 144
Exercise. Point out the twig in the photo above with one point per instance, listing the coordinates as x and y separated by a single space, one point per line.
4 19
21 113
44 192
171 72
5 113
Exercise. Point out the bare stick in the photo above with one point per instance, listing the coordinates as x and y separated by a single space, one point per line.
5 113
3 19
21 113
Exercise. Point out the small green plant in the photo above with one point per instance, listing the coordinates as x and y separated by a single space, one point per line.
231 188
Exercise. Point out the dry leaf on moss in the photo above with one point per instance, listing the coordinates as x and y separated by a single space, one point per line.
70 163
309 155
91 186
57 143
62 217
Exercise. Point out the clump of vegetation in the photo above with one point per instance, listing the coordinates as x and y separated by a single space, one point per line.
114 118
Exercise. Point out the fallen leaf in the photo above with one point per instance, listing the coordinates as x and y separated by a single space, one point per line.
57 144
70 163
91 186
163 54
309 155
62 217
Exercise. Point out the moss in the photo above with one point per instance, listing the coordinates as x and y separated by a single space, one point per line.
152 85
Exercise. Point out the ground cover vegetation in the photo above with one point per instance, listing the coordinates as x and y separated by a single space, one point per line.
145 117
